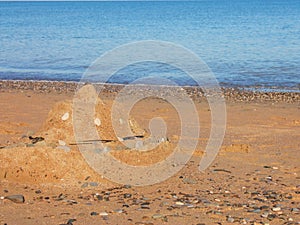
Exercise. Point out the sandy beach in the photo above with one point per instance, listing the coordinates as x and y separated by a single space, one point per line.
255 178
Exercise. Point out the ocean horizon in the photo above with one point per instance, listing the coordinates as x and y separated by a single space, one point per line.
246 44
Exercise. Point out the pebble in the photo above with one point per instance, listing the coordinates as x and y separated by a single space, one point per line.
127 186
103 214
65 116
179 203
118 211
295 210
84 185
145 205
16 198
70 221
94 184
35 140
61 142
256 211
230 219
127 195
97 122
94 214
157 216
276 209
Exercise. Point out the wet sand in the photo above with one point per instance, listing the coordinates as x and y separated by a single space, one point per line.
253 180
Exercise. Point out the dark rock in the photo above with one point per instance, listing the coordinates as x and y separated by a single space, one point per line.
99 197
221 170
94 214
127 186
127 195
70 221
35 139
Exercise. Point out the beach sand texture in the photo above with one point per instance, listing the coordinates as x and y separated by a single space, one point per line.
255 179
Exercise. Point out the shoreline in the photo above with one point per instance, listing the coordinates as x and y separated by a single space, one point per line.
235 94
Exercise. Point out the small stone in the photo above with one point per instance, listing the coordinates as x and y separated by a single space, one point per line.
70 221
94 214
127 195
179 203
16 198
99 197
230 219
276 209
295 210
103 214
94 184
97 122
35 140
65 116
61 197
84 185
127 186
145 205
269 178
62 143
157 216
118 211
267 167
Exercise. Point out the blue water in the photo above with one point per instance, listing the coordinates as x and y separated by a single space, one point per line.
245 43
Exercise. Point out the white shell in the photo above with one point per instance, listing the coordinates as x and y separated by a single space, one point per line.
97 122
65 116
62 143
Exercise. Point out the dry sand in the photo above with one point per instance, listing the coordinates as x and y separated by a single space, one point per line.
255 179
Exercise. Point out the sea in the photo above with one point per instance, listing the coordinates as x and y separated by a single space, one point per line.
248 44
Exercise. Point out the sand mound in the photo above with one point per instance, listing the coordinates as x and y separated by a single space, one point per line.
54 155
59 124
44 165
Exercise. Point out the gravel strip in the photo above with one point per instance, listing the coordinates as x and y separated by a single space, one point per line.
230 94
